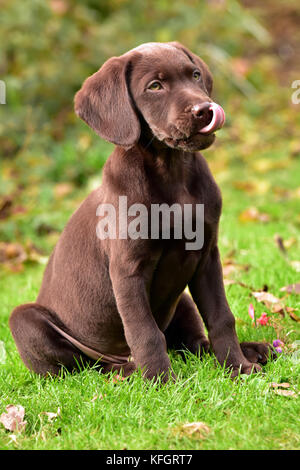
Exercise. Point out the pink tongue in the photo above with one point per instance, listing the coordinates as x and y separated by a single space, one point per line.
217 121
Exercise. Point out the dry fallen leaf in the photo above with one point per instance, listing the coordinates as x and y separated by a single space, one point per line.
292 288
275 305
254 186
281 389
228 282
230 266
12 420
263 165
252 214
268 299
12 252
292 315
51 416
286 393
280 385
5 206
14 255
197 429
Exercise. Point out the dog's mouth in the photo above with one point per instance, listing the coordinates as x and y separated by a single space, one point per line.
198 138
194 142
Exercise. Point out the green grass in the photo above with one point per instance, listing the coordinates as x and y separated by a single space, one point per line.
241 414
256 163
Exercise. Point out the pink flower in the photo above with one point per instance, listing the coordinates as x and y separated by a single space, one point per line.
263 320
251 312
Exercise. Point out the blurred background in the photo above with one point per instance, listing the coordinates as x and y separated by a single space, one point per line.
50 160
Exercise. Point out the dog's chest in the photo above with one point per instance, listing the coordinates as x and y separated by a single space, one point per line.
193 220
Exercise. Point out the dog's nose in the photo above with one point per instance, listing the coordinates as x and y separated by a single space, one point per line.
211 116
200 110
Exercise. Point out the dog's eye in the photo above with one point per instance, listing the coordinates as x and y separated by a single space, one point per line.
154 86
196 75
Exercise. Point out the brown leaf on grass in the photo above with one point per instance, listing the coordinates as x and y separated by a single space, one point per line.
5 207
268 299
292 315
280 385
231 267
286 393
14 255
281 389
51 416
197 429
292 288
252 187
8 206
275 305
12 420
282 244
252 214
264 165
228 282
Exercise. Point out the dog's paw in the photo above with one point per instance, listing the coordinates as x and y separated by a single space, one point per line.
258 352
197 346
244 368
159 372
200 346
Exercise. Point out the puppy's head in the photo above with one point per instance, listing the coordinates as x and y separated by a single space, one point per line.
161 84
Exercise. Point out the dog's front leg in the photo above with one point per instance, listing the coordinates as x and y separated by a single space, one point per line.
147 343
208 292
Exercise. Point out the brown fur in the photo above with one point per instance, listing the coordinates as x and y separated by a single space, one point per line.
124 296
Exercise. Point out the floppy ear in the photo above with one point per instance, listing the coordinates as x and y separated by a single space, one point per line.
104 103
208 80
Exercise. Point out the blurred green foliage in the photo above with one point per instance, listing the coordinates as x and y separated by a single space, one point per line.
47 49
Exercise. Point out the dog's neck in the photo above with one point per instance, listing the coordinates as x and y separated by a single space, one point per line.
167 163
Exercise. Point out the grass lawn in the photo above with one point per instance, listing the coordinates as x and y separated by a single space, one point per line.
96 412
256 161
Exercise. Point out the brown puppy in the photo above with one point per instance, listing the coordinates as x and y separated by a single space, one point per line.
117 295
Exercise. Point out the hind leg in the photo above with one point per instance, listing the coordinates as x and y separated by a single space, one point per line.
42 348
186 330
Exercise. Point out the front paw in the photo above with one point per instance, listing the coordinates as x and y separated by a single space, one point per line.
159 371
197 346
244 368
258 352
